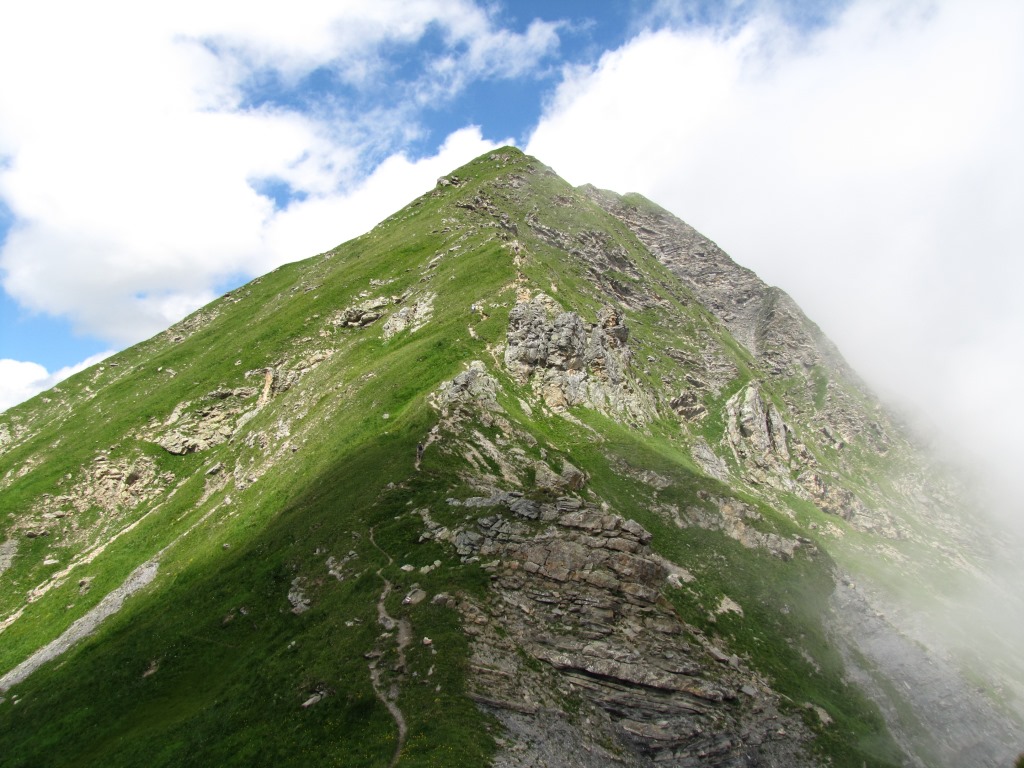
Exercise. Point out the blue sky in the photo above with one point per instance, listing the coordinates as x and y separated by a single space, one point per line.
864 155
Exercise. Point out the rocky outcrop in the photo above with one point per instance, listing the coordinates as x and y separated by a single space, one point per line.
582 596
762 318
464 404
297 596
110 485
737 520
605 259
574 363
286 374
759 438
192 430
571 478
768 453
195 322
362 314
410 318
472 392
195 426
709 461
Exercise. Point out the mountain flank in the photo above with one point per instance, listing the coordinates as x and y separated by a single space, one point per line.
527 475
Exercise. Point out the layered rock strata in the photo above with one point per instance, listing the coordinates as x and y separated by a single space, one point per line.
578 623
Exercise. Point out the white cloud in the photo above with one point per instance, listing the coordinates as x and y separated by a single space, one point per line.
20 380
872 168
132 160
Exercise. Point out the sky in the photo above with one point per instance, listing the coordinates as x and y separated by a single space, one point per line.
863 155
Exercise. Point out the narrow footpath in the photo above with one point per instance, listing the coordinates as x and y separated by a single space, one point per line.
404 636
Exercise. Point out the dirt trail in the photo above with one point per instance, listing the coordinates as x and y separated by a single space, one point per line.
390 624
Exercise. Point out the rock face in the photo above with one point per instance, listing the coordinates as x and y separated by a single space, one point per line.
769 453
759 438
764 319
474 391
582 595
571 362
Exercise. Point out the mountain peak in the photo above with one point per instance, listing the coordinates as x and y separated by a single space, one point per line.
528 472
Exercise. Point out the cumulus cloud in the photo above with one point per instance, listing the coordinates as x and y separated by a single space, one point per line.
871 167
137 145
20 380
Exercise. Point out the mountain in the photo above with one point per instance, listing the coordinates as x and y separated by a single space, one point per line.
527 475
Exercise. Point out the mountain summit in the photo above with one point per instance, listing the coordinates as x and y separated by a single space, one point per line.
527 475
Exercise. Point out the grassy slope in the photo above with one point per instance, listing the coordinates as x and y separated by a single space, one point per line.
233 664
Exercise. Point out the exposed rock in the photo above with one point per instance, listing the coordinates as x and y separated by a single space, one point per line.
645 476
708 460
414 597
573 363
571 478
212 426
735 519
823 394
194 322
728 605
197 429
767 451
450 181
764 319
411 318
336 568
8 550
471 390
582 596
552 739
950 723
84 626
112 485
689 405
362 314
759 438
297 596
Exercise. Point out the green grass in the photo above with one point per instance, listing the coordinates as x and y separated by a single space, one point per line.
233 664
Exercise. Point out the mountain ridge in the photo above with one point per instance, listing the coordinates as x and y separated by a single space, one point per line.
533 405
